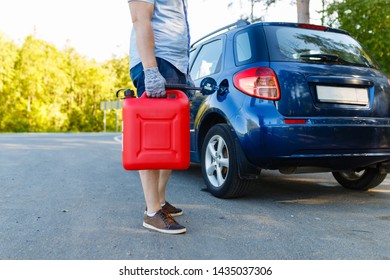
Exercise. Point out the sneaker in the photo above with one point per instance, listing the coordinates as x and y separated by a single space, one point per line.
172 210
163 222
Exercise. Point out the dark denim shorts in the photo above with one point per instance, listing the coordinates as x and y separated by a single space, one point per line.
171 74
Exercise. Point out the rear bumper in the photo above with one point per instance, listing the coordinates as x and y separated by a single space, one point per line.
329 162
336 144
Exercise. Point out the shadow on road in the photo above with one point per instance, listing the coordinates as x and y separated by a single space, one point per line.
318 188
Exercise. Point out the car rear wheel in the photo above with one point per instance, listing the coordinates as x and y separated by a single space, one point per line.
359 180
219 164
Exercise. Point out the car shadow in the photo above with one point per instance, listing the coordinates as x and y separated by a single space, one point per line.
317 188
314 188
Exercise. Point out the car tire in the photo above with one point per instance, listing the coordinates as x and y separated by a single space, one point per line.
364 180
220 164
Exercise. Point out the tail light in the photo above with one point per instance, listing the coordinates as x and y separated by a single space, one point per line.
258 82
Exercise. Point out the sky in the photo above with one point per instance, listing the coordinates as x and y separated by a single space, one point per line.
100 29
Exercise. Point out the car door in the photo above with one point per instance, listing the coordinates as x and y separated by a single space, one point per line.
206 61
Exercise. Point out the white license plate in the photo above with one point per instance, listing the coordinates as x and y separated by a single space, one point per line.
343 95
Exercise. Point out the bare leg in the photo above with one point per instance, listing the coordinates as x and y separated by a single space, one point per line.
149 180
162 184
154 184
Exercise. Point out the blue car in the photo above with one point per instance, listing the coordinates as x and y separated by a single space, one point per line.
291 97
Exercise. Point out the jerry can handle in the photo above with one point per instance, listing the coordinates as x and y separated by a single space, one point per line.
171 94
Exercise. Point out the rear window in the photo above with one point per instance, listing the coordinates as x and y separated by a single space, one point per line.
243 48
250 46
314 46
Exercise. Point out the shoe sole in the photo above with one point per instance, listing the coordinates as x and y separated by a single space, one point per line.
173 214
168 231
176 214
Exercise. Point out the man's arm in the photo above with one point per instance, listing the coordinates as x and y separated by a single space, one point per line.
141 15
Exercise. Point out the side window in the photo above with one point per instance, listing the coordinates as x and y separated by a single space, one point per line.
242 47
208 60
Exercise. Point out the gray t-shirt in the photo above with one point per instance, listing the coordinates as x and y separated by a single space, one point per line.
171 33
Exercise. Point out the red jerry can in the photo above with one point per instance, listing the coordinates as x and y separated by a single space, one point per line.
156 132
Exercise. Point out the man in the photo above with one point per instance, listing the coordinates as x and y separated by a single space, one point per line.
159 49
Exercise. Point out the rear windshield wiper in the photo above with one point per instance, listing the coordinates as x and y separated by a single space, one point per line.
321 56
333 58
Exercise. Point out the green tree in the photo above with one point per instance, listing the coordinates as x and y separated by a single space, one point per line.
119 71
8 56
368 22
119 68
46 89
84 89
37 86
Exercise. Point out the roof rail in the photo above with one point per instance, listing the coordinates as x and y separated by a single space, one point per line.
237 24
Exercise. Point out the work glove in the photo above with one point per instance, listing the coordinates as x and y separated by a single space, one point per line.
154 83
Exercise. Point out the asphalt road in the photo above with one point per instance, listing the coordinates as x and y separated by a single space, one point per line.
66 196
